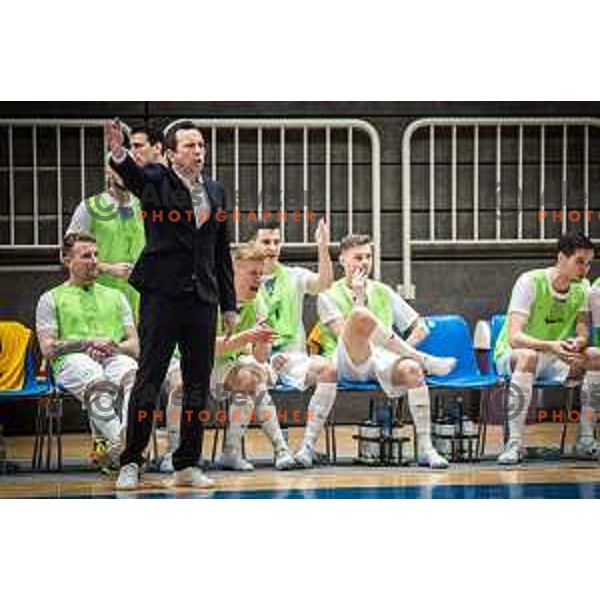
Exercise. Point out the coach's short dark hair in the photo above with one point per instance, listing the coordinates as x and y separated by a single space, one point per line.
171 133
71 239
354 240
256 226
570 242
154 137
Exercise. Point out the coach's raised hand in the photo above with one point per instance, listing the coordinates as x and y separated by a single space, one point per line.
113 133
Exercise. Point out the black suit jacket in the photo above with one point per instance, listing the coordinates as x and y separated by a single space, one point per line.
179 258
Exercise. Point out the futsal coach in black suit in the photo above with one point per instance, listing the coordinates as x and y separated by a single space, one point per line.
184 275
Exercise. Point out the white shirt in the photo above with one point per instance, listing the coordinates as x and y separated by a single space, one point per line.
81 219
523 294
404 315
46 320
200 199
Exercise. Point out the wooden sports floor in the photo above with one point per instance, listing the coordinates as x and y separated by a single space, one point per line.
546 476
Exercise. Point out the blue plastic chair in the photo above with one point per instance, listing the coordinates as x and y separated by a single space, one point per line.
496 325
450 335
48 421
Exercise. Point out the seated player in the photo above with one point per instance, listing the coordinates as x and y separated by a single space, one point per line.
546 337
357 316
242 370
284 290
87 333
595 312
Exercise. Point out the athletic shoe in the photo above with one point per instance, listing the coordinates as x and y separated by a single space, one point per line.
438 366
232 461
432 460
304 458
105 456
192 477
129 477
284 461
513 453
166 464
587 449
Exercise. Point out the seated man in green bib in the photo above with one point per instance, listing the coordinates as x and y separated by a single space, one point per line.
595 311
241 370
87 333
113 218
357 316
284 291
546 337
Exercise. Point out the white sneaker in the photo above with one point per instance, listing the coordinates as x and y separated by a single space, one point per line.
232 461
512 454
432 460
304 457
587 449
192 477
284 461
439 366
129 477
166 464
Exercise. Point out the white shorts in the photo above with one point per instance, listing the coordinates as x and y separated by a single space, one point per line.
295 373
378 368
77 371
549 367
220 373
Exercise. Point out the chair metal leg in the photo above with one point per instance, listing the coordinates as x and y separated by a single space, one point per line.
38 434
568 408
483 418
505 399
49 420
59 447
333 435
55 404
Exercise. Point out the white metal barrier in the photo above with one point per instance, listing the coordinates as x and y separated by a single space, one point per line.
8 129
281 128
436 128
12 217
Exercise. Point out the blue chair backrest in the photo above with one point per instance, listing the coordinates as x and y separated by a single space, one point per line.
450 335
30 374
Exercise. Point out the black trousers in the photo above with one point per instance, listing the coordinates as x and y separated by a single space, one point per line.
164 322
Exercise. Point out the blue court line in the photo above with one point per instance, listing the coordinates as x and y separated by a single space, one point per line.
440 492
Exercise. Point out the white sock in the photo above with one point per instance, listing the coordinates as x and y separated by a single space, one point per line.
386 338
519 399
173 420
125 411
420 409
239 415
106 424
267 414
590 403
320 406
